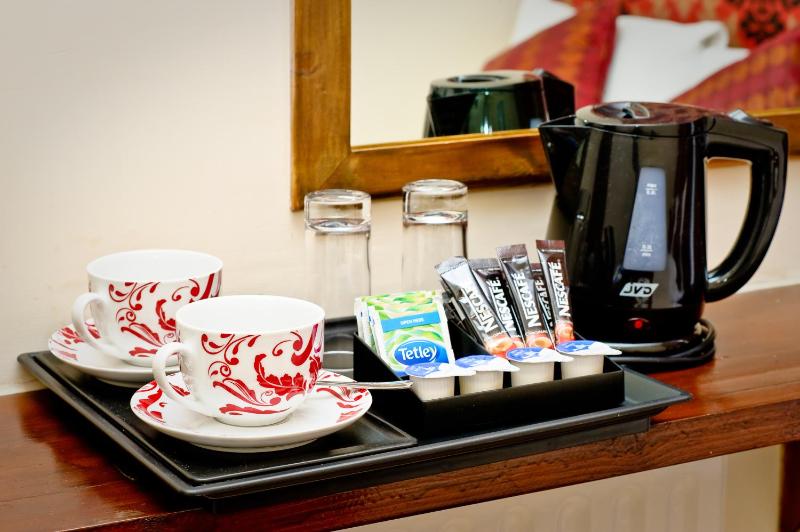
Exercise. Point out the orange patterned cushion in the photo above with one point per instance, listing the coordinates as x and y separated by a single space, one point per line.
768 78
750 22
577 50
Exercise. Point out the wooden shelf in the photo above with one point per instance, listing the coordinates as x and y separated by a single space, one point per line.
58 472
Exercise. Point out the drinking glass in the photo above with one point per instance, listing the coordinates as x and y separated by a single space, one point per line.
337 248
434 229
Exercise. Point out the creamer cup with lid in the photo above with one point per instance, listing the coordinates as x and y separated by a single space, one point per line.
435 380
488 376
588 357
536 364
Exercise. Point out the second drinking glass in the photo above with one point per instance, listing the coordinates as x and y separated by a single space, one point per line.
434 229
337 248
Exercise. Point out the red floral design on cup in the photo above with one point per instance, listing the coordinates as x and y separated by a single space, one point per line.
247 378
134 316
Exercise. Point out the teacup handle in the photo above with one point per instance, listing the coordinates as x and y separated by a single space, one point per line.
160 373
78 321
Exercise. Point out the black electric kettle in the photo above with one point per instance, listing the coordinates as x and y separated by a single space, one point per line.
630 204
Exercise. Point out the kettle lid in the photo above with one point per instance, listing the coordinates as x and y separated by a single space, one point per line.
647 118
494 80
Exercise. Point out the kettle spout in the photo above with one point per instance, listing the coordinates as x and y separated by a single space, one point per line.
562 142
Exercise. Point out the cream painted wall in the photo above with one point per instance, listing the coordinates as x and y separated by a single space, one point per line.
166 124
736 493
753 490
140 124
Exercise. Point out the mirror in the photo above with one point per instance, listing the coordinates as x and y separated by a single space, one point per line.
453 37
327 154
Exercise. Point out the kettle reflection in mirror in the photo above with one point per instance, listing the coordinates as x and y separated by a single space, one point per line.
496 100
630 204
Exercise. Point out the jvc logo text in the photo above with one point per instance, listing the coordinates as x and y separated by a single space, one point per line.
638 289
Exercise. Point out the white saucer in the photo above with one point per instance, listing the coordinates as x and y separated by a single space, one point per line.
325 411
68 347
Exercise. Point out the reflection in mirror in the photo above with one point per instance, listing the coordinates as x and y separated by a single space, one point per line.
398 49
496 100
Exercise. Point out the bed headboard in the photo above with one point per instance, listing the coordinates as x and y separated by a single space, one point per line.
750 22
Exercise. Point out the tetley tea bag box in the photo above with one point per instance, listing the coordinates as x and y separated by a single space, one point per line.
405 329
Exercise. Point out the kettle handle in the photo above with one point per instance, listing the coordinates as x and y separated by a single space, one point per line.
765 147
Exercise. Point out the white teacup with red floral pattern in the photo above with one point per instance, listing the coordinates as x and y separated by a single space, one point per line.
133 297
247 360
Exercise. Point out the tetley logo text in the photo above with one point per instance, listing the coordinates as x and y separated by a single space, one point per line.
418 351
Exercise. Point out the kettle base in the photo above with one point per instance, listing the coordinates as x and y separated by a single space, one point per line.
693 350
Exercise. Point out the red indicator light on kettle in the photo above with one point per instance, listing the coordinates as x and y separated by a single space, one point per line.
639 324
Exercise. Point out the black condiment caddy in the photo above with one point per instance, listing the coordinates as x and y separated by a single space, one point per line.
486 410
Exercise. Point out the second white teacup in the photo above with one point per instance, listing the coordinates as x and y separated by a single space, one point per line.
247 360
133 297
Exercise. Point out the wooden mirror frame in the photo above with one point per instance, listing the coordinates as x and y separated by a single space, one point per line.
322 156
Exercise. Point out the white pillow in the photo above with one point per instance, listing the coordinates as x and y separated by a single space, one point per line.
657 60
534 16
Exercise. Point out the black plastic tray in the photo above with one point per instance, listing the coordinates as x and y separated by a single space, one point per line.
381 450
